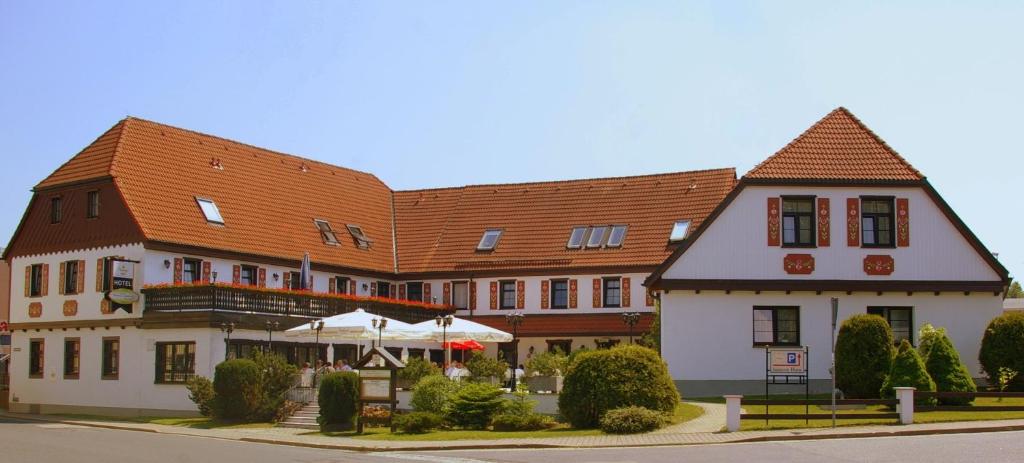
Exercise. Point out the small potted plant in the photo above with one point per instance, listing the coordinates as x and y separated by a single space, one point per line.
544 371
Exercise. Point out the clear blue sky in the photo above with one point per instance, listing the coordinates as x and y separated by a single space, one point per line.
427 94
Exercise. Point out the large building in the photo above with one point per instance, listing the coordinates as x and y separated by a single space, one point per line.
212 232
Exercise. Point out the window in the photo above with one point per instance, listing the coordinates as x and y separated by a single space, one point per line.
35 284
111 358
679 230
876 219
460 294
92 204
105 284
248 275
597 235
72 357
295 280
175 361
776 326
489 240
617 235
576 238
508 294
55 209
36 348
326 233
210 211
612 292
383 289
191 270
559 294
70 277
901 321
560 345
357 234
798 221
414 291
341 285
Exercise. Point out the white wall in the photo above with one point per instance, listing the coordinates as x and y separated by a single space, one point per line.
709 336
735 245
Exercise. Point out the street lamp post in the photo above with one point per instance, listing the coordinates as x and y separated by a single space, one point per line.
444 323
379 324
227 327
317 325
271 326
630 319
514 319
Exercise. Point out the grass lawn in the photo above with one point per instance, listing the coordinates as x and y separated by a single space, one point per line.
685 412
919 417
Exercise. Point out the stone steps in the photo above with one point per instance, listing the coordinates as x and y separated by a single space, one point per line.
304 418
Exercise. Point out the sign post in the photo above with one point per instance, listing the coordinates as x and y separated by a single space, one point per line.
377 383
835 316
786 365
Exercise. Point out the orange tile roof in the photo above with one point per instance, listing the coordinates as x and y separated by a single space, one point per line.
837 147
438 230
268 201
566 323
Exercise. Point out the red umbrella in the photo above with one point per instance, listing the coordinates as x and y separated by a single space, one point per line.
464 345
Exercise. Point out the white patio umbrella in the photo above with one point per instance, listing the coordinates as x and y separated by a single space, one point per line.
463 330
358 326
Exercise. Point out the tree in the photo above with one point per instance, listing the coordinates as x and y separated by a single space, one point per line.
1015 291
949 373
908 370
1002 347
863 355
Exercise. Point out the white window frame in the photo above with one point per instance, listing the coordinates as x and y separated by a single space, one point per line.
576 237
330 238
210 210
496 232
684 225
622 238
601 233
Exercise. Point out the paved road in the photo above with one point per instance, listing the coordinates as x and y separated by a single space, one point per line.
35 442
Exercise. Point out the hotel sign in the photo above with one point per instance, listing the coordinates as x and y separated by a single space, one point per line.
122 284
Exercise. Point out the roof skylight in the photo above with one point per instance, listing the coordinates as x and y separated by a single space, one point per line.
326 232
597 235
357 234
489 241
617 235
679 230
210 210
576 238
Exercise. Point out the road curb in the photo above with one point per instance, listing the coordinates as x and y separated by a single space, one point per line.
856 435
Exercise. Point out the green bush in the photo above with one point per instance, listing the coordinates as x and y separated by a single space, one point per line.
606 379
949 373
483 367
631 420
513 422
1002 347
417 422
200 391
864 350
416 369
236 389
433 394
338 399
927 336
908 370
475 405
276 377
547 364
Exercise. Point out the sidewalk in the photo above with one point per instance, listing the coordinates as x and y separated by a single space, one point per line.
295 437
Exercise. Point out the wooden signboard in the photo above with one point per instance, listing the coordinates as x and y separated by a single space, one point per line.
377 384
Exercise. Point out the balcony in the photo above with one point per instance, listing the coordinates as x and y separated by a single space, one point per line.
185 302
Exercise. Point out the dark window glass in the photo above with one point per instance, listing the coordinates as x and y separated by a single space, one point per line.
55 210
106 274
508 294
560 345
612 292
70 277
175 361
92 209
341 285
383 289
877 222
192 271
36 347
414 291
36 281
295 280
777 326
901 321
72 357
111 358
798 222
559 294
248 275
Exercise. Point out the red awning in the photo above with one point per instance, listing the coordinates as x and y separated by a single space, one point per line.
463 345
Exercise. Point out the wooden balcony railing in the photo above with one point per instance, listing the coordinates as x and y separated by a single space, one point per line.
193 298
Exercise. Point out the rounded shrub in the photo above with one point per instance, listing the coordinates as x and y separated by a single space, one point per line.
475 405
864 350
602 380
433 394
200 392
338 399
1002 348
631 420
418 422
908 370
236 389
949 373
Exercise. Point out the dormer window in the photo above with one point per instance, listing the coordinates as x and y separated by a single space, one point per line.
210 210
489 241
679 230
326 232
597 235
357 234
576 238
617 235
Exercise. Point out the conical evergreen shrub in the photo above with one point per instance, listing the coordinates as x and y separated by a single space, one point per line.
949 373
926 338
908 370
